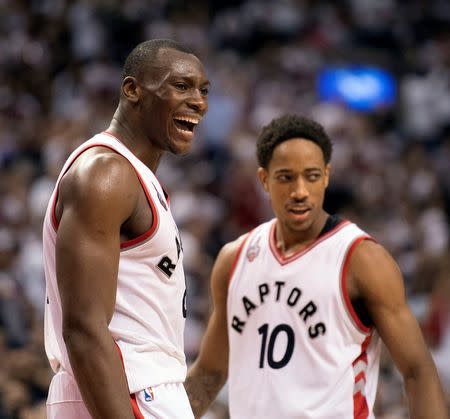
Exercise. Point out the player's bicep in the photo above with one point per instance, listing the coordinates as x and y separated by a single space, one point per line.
88 242
404 341
86 269
214 347
380 281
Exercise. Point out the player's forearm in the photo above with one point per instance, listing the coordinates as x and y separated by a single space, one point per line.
202 388
99 374
425 394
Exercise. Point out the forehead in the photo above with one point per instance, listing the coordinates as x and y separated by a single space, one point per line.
297 154
171 62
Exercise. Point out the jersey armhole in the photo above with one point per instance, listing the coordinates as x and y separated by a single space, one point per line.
354 318
146 235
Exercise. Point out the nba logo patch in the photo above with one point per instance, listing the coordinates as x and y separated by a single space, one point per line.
253 251
148 394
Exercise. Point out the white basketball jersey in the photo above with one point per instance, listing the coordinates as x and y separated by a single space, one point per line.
297 348
149 316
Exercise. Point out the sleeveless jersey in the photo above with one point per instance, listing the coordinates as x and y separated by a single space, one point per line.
297 348
149 315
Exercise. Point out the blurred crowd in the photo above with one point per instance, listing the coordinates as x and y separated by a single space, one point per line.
60 73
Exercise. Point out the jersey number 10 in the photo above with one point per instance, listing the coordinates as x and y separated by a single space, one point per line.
264 331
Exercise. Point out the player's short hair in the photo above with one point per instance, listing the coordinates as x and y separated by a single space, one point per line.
146 52
287 127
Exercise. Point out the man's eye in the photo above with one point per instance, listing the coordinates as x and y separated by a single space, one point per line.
204 91
181 86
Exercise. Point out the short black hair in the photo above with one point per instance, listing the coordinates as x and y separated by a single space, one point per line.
146 52
287 127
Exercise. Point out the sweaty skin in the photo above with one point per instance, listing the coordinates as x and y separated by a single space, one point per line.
296 179
101 204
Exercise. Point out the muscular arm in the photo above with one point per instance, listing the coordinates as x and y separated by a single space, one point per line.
379 283
96 197
210 371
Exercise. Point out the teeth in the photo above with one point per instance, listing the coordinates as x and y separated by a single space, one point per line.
184 130
188 119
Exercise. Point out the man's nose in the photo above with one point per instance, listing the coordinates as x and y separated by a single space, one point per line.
198 102
300 190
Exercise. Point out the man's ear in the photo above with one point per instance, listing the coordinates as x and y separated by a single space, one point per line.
130 89
263 176
327 174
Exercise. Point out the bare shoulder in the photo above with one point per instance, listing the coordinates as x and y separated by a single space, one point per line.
100 178
229 252
98 170
375 272
224 263
371 252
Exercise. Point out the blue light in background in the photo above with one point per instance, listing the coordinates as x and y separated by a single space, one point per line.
361 88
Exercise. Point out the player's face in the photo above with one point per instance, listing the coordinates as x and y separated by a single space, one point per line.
174 100
296 179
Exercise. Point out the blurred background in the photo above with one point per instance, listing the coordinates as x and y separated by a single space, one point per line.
375 73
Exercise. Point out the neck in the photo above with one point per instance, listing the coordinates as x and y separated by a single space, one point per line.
123 128
290 241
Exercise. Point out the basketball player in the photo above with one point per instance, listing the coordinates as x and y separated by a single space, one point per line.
301 301
115 309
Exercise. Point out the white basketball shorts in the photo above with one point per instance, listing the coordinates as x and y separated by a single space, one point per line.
165 401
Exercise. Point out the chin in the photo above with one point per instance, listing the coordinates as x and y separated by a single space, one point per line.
298 226
179 147
180 151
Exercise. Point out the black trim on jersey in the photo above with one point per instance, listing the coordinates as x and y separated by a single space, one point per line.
166 195
332 221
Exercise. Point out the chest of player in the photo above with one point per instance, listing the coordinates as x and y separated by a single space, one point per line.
159 251
306 292
151 271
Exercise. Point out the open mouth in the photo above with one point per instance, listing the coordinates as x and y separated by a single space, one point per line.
185 124
299 211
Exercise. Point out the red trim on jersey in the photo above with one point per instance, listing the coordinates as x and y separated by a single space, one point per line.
282 260
136 240
136 411
236 257
363 328
360 406
55 223
151 230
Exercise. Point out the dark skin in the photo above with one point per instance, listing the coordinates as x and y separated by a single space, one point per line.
101 204
296 179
